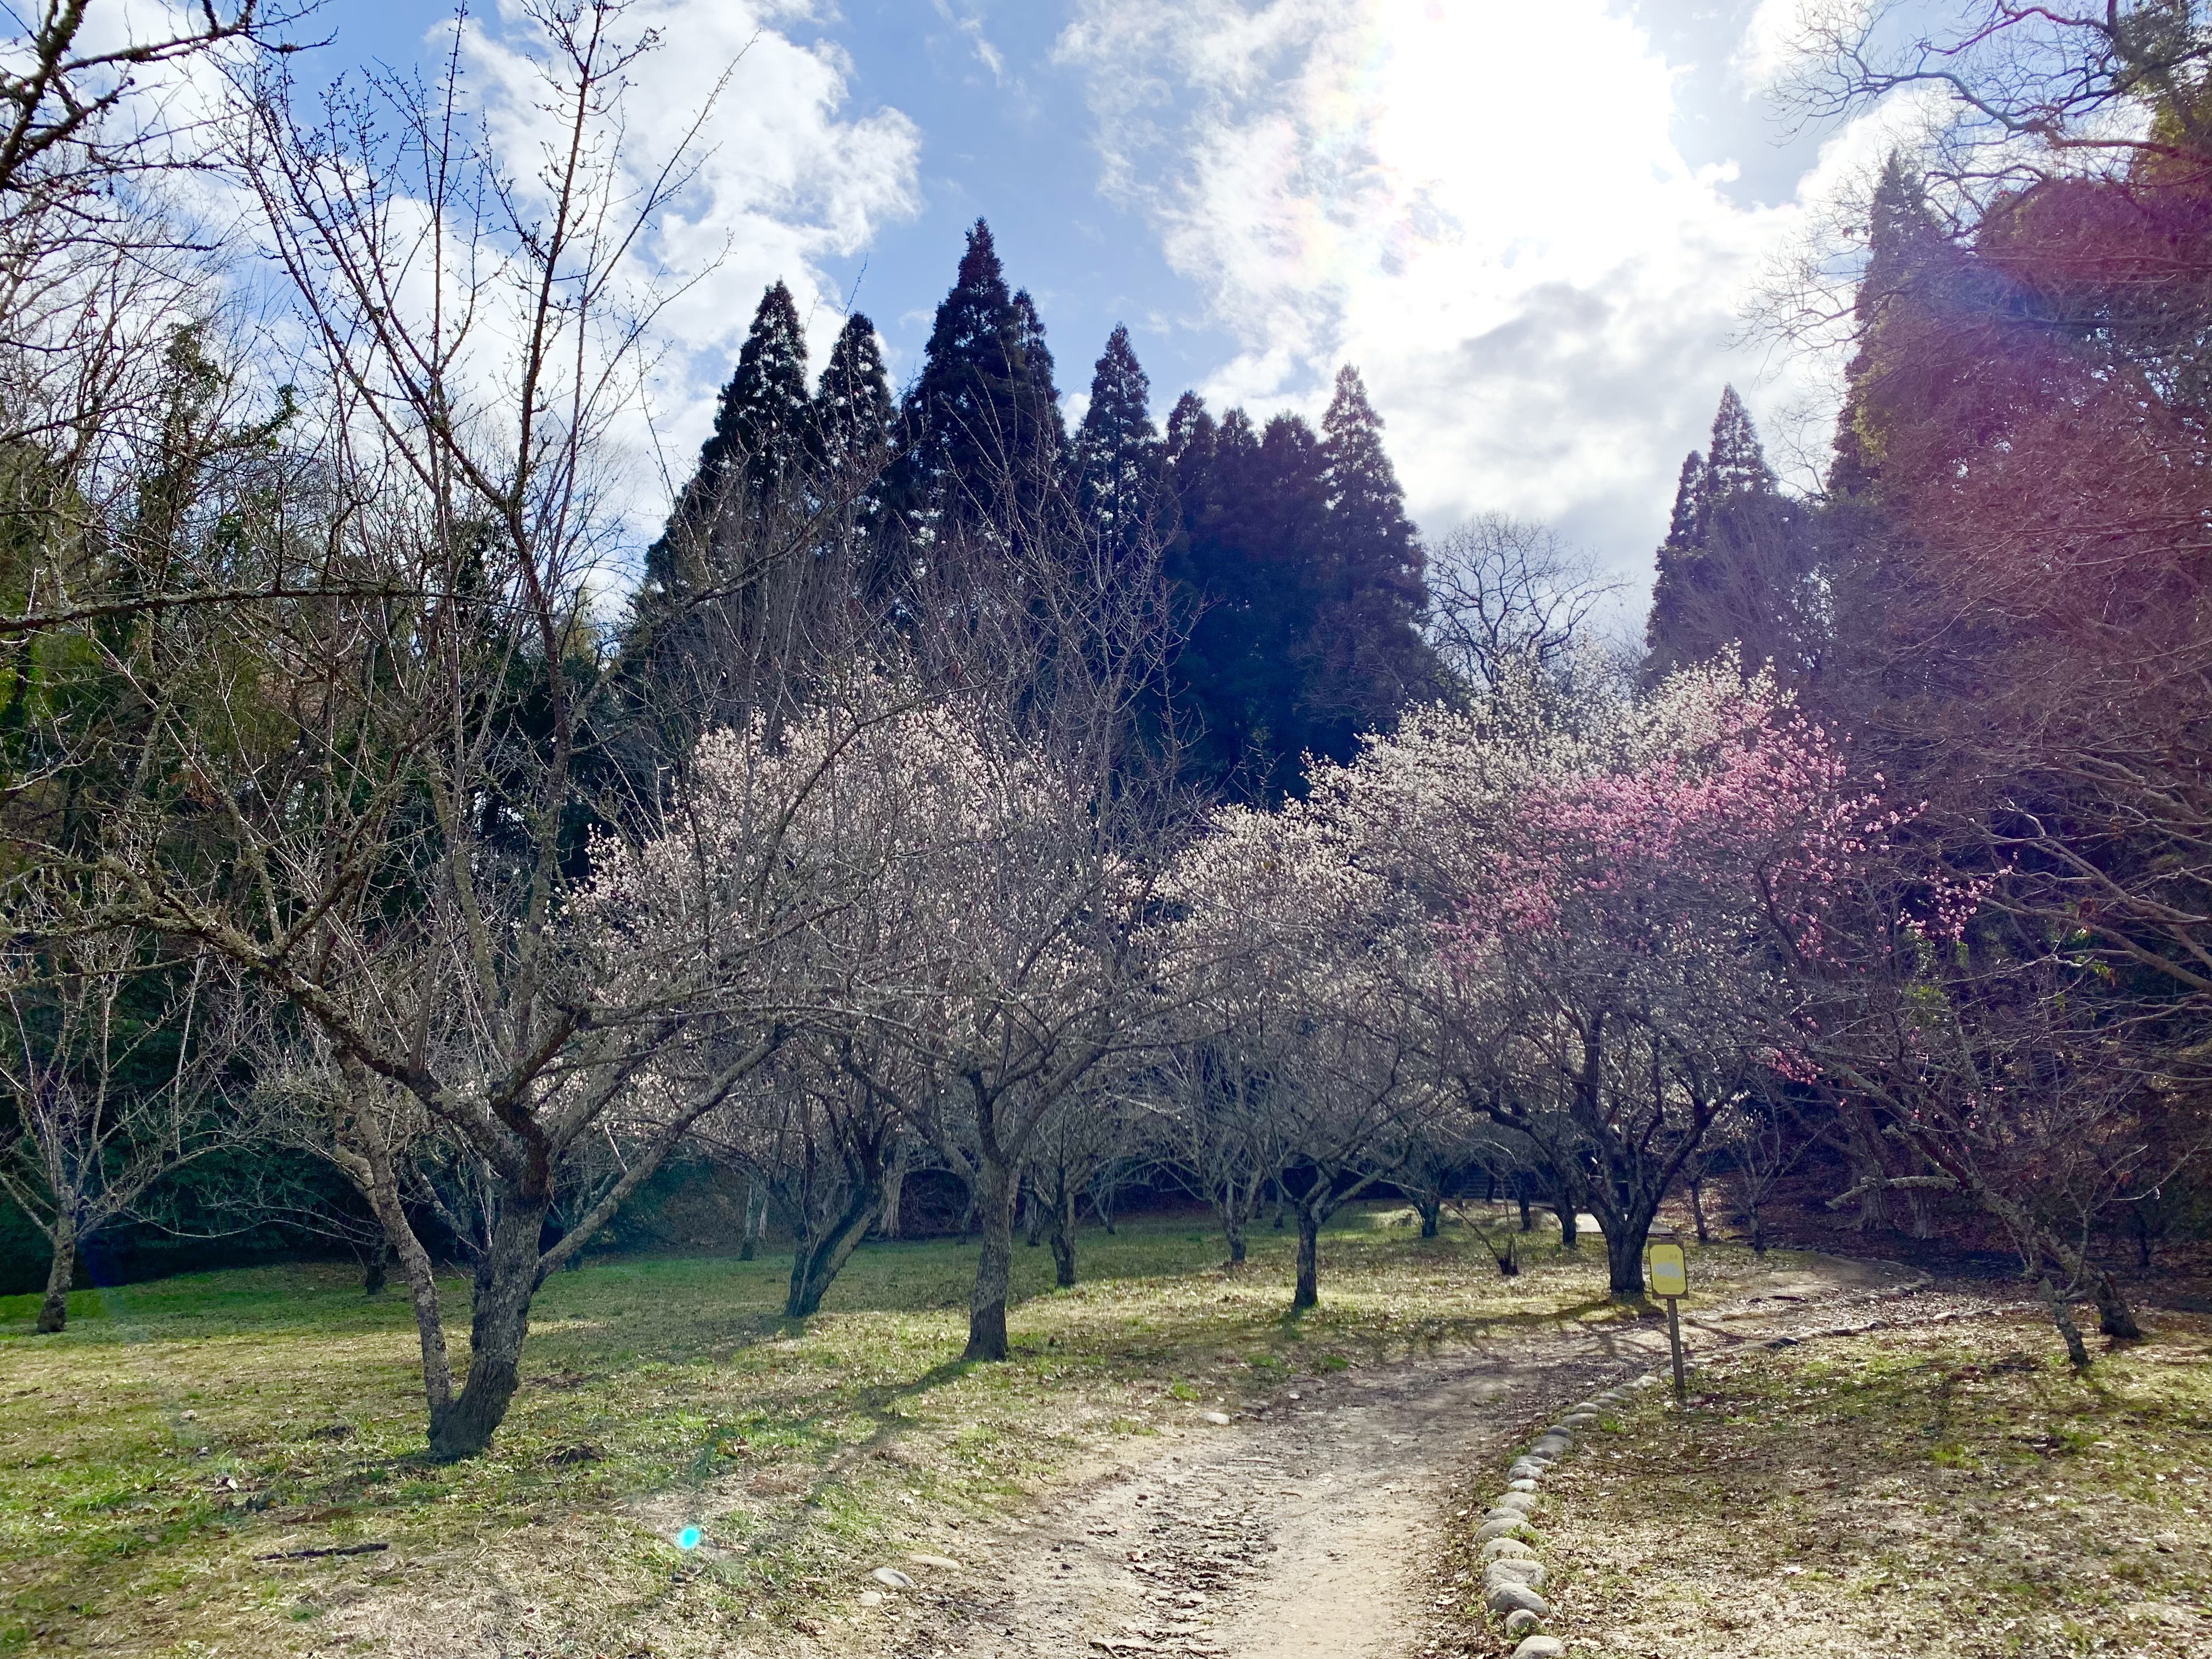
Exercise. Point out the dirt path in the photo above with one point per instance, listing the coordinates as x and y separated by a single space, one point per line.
1302 1531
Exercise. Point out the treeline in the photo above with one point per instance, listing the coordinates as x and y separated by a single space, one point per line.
1292 577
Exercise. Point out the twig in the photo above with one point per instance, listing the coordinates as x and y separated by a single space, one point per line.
309 1555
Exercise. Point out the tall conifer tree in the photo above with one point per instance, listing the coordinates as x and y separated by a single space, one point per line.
1737 568
855 417
763 428
983 419
1117 454
1374 660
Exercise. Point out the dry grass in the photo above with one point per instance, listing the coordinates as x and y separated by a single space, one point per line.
180 1430
1954 1490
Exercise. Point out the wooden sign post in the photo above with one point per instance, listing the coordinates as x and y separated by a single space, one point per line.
1670 1277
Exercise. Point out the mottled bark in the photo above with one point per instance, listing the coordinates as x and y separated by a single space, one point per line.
1062 1226
816 1262
53 1312
1308 1294
2062 1317
498 1324
995 1193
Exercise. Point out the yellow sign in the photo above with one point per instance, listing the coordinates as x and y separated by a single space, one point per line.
1670 1274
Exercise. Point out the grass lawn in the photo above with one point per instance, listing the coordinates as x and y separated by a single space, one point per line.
1955 1490
179 1429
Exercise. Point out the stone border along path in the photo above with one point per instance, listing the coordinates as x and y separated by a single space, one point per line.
1513 1574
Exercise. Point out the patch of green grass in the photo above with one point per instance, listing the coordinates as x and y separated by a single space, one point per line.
181 1428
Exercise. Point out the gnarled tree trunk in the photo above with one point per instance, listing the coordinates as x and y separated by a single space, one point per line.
53 1312
1062 1225
996 1190
1308 1294
817 1261
498 1323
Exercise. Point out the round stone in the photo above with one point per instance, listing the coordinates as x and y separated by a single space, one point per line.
1554 1445
1509 1569
1540 1647
1523 1485
1506 1597
1507 1546
1521 1622
1522 1501
1503 1528
891 1578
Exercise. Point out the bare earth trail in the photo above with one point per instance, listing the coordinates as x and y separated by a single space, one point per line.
1302 1529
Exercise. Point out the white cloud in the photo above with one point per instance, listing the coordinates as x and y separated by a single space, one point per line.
1481 205
787 177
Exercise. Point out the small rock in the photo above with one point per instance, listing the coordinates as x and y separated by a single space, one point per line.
1505 1597
1523 1484
1521 1622
1509 1545
1221 1418
1540 1647
921 1558
2166 1542
1504 1529
872 1598
1508 1570
191 1417
1522 1501
891 1578
1554 1445
1528 1468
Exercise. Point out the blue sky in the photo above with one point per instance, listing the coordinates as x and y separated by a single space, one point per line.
1536 229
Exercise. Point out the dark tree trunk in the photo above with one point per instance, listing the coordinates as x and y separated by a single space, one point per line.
498 1324
1431 1209
53 1312
995 1194
1032 1217
1757 1228
2062 1317
1571 1236
1698 1209
817 1261
378 1272
1624 1255
2141 1227
1308 1293
2114 1317
1528 1217
1062 1226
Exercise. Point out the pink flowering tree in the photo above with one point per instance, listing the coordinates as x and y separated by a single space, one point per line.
1618 889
